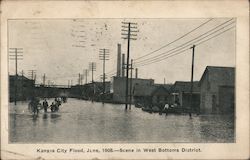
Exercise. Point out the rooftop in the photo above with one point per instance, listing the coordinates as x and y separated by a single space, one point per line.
222 74
185 86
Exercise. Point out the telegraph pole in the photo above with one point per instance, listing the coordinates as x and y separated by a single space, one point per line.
86 76
131 81
92 67
32 73
35 78
128 28
79 79
192 76
82 77
16 56
104 55
22 85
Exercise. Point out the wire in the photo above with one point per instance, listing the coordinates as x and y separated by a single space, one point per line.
188 43
182 47
187 48
174 40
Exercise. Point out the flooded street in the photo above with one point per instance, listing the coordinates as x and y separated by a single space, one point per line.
81 121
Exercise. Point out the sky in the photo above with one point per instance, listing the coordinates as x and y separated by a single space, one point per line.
63 48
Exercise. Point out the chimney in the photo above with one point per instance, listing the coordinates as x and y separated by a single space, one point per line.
123 65
118 74
136 73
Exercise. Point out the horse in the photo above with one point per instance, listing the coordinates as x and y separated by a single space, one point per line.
33 107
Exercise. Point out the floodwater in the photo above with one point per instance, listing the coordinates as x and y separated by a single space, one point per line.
81 121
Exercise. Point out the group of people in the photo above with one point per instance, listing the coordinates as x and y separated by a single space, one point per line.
55 105
35 105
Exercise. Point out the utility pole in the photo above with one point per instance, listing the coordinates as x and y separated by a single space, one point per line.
191 88
32 73
86 75
16 56
104 55
131 81
35 78
128 29
79 79
23 97
82 77
92 67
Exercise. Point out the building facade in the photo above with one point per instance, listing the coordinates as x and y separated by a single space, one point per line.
151 95
181 95
20 87
217 90
118 87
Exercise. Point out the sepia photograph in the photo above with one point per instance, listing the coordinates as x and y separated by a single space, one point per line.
121 80
124 79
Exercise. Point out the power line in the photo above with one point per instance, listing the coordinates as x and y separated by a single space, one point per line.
186 48
188 41
174 40
185 44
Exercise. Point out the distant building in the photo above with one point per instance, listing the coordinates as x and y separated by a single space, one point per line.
181 95
89 90
21 87
160 95
152 94
217 90
142 94
118 87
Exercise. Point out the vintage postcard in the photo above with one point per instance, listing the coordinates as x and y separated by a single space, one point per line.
125 79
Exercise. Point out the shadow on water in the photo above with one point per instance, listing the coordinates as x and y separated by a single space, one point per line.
54 117
35 117
45 116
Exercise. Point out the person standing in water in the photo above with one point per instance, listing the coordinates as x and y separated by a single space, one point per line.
45 105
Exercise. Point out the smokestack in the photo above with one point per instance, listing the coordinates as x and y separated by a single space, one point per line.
123 65
118 74
136 73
